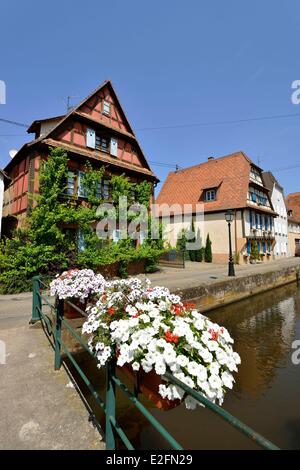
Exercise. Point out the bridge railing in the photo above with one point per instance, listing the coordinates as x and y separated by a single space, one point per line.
53 330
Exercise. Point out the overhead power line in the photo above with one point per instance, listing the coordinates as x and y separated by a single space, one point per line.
217 123
15 123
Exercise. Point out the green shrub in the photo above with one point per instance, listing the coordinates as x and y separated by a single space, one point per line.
208 251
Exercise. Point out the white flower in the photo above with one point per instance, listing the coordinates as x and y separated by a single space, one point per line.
160 367
215 381
214 368
135 366
227 379
193 368
182 360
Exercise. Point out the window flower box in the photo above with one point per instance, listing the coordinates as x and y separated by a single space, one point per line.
148 331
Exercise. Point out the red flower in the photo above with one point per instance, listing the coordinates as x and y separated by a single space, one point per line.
177 309
171 337
189 306
214 334
111 311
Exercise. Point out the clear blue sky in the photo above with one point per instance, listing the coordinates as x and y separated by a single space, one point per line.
171 62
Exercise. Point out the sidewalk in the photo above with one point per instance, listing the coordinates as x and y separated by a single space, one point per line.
196 274
40 409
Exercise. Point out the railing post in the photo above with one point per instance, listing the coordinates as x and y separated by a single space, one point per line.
57 333
36 300
110 405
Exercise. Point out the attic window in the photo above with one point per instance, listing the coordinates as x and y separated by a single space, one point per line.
106 107
210 195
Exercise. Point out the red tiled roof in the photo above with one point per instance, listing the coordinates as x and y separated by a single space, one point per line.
229 174
293 203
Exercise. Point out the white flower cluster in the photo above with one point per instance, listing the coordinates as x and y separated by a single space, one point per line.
151 329
77 284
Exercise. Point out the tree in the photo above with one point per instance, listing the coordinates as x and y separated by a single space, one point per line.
199 250
254 254
181 240
208 251
192 239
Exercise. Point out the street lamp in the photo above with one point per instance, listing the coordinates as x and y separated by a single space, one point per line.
229 219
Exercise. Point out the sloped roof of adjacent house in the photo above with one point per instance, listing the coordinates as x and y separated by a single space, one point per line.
229 174
269 180
293 203
77 110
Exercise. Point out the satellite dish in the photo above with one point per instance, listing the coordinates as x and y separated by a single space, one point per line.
12 153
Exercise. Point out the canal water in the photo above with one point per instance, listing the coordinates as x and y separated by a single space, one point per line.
266 395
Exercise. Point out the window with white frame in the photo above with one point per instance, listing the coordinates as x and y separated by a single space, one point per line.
106 107
210 195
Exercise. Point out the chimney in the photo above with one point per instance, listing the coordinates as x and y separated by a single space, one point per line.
211 158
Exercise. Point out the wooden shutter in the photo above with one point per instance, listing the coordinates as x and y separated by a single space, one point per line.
114 147
90 138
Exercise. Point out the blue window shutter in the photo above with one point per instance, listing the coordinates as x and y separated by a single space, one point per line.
251 219
90 138
249 247
265 247
114 147
267 219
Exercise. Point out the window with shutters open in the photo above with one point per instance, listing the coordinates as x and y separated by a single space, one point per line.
101 143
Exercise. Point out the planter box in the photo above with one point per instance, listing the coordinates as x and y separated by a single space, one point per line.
108 270
111 270
148 384
136 267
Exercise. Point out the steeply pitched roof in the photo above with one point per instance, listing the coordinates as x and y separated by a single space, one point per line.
293 203
76 111
230 174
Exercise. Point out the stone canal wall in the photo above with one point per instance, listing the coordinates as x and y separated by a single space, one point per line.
213 294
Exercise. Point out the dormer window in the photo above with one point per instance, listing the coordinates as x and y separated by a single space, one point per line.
106 107
210 195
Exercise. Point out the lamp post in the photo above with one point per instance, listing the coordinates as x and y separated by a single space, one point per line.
229 219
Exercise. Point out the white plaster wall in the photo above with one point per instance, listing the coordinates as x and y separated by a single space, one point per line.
280 224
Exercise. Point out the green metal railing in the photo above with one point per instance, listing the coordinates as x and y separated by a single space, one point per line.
53 329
